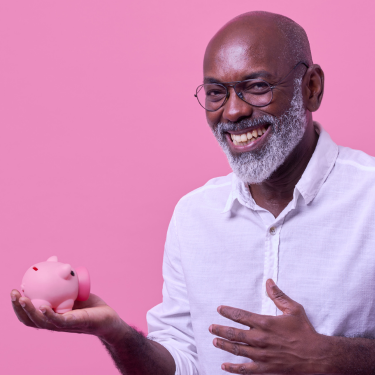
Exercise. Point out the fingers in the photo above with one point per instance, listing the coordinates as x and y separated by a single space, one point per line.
19 311
243 368
281 300
34 315
241 316
238 349
230 333
253 337
258 354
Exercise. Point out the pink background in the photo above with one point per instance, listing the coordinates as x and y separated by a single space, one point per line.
91 171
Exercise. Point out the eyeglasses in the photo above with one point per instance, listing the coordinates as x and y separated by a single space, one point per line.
256 92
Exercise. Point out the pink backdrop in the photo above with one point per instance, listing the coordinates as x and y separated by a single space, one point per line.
91 170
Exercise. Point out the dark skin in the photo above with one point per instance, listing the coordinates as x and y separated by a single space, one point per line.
281 344
230 58
286 343
132 352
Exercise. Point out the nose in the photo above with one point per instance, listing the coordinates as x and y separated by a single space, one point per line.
235 109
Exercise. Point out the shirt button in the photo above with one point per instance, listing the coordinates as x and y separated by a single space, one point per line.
273 230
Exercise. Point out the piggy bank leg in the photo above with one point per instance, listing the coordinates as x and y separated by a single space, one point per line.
65 306
39 302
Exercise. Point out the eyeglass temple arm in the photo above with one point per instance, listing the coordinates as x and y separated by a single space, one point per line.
283 79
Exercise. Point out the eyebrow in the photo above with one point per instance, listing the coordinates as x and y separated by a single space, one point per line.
259 74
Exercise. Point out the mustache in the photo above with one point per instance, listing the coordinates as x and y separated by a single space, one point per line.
246 123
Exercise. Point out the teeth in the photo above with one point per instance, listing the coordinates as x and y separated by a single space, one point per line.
246 138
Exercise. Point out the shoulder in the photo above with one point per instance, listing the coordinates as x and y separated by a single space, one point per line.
350 161
212 195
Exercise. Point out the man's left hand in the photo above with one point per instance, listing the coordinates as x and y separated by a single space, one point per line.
281 344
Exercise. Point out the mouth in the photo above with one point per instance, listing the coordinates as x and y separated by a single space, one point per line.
248 137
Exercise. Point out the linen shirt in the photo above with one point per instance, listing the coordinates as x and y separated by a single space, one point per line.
221 247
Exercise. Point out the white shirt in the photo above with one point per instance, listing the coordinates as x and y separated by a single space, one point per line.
221 248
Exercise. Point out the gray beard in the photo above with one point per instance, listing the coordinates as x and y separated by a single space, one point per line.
254 167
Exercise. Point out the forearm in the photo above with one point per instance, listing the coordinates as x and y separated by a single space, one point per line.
134 354
354 356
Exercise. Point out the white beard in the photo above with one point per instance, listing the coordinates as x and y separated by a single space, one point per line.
253 167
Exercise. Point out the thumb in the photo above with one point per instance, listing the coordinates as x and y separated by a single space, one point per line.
281 300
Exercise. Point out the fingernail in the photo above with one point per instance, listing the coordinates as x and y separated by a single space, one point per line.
219 309
222 367
215 342
43 311
13 297
23 304
210 328
271 282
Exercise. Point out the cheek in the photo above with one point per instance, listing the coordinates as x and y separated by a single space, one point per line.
281 102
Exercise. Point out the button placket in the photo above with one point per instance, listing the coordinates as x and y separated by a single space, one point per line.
271 263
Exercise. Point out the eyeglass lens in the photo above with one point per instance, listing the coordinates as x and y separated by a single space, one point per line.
211 96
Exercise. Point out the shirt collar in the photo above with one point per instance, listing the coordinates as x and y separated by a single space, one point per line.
316 172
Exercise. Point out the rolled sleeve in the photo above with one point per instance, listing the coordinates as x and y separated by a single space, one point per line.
169 323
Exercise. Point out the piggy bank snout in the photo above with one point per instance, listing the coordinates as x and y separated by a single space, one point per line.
65 271
83 283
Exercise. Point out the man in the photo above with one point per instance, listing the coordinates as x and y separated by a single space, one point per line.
297 211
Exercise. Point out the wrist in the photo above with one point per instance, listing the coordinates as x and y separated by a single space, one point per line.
115 332
324 355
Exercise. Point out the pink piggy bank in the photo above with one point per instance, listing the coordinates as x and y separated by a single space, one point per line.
56 285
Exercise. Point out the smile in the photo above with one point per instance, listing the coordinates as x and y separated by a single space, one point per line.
248 136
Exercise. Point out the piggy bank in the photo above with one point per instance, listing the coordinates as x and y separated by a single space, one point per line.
56 284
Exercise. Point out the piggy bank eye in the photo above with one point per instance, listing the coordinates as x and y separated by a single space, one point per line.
35 269
72 273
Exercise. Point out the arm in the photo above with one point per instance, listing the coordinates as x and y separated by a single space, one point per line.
289 343
351 356
135 354
131 351
171 349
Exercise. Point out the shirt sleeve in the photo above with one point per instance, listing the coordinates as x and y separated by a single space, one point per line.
169 323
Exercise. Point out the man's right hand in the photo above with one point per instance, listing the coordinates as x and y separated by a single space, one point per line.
92 316
132 352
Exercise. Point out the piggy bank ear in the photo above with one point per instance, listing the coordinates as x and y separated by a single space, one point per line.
52 259
65 271
83 283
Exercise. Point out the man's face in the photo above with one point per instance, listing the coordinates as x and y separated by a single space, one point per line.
256 140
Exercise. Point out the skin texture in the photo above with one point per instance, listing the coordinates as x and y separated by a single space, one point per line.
286 344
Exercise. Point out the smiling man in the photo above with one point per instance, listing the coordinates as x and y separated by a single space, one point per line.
297 211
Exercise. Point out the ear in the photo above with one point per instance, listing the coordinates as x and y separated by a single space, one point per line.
313 87
64 271
52 259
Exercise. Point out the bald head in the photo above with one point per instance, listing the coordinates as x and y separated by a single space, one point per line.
263 36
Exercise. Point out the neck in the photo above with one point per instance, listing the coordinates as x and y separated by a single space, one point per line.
276 192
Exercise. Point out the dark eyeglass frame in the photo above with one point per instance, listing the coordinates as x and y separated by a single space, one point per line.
239 94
